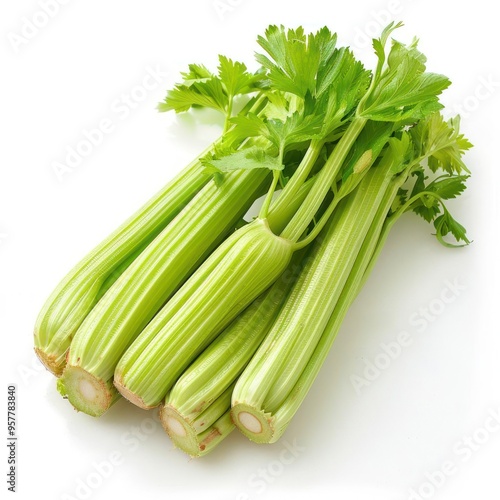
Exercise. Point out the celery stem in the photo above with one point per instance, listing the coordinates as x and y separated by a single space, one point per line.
299 177
323 184
267 202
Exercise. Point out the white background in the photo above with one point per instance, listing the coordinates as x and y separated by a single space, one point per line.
380 442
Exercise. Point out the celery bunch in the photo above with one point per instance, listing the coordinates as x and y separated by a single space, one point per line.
215 325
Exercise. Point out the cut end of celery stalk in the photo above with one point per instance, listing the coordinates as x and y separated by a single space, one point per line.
85 392
132 397
183 433
255 424
180 431
55 364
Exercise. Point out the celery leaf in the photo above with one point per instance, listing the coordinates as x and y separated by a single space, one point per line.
244 159
441 142
404 90
201 88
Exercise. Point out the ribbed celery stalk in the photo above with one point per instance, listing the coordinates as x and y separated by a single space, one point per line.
293 188
269 379
278 422
79 291
148 282
326 178
277 380
241 269
201 389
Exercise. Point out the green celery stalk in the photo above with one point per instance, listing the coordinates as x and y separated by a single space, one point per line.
152 363
238 271
277 380
81 288
131 302
275 369
202 388
294 186
361 270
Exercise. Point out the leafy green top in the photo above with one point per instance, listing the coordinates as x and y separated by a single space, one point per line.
312 89
401 89
328 80
201 88
315 92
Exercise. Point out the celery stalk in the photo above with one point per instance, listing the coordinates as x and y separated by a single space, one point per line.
325 179
239 270
360 272
151 364
275 370
277 380
292 190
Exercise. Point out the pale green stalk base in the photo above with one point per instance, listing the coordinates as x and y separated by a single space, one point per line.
200 433
185 437
85 392
254 423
